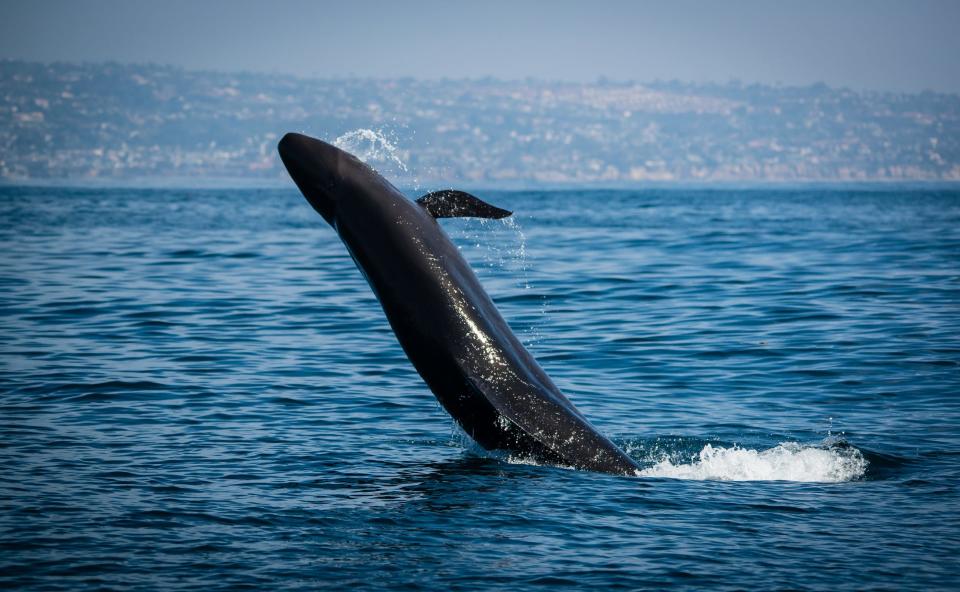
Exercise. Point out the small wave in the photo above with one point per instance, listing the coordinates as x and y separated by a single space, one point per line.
789 461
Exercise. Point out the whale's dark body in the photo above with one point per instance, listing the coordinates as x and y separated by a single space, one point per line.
445 321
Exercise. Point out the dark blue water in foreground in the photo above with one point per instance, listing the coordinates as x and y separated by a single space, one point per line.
199 391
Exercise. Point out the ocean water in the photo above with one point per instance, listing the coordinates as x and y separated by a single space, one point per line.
199 391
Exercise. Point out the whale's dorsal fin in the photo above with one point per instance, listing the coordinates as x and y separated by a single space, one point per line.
450 203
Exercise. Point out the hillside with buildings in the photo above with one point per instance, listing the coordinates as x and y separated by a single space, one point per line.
87 121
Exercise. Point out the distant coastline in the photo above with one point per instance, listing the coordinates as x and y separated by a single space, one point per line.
160 183
112 124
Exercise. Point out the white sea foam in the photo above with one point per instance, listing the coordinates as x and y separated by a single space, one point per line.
789 461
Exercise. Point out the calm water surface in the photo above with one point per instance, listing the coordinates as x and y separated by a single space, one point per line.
199 391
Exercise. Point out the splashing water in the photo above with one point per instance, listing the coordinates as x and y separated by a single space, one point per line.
497 250
375 148
789 461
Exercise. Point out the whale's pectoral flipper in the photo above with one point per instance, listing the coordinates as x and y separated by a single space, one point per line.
450 203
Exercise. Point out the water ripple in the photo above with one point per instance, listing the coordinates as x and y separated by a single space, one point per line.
199 391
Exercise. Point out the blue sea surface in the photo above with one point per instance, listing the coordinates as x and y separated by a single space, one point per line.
199 391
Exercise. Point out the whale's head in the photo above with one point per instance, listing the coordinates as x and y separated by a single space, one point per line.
323 172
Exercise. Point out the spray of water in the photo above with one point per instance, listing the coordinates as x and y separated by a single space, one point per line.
377 148
498 251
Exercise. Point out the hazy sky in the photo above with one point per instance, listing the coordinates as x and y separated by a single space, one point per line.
864 44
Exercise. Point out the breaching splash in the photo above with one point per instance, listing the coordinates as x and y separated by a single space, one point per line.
788 461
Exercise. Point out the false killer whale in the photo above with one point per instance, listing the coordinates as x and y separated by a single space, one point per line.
444 320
